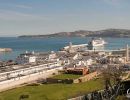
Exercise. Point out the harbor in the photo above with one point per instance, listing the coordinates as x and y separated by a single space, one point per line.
54 44
28 63
87 60
64 50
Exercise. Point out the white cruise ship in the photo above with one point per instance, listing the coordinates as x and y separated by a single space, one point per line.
96 42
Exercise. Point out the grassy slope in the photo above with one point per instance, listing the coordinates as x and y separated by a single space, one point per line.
52 91
67 76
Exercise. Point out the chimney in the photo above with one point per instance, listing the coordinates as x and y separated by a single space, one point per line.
70 45
71 50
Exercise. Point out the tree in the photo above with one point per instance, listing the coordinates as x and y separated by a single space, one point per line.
112 79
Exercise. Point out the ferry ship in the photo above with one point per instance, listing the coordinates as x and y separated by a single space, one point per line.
96 42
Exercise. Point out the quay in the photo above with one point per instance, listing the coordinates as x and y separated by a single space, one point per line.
5 49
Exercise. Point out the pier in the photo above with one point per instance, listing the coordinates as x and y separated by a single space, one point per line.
5 50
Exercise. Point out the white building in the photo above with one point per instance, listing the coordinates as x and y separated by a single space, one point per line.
25 59
36 57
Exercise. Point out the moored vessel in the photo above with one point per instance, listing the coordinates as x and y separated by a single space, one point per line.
96 42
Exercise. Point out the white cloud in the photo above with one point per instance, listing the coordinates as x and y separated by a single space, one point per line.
13 5
113 2
23 6
15 15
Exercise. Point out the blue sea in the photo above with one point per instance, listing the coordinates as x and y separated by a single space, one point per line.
21 45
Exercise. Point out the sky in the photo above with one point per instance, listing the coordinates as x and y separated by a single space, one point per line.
34 17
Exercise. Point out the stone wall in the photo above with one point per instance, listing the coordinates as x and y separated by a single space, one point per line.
15 82
87 77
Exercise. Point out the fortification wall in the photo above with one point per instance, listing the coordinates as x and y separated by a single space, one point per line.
15 82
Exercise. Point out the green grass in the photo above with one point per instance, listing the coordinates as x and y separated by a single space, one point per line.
52 91
67 76
124 74
129 76
121 98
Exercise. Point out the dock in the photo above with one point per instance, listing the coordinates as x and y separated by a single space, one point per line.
5 50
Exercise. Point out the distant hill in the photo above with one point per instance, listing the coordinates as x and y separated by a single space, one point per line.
85 33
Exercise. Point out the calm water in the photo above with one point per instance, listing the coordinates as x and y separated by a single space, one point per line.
20 45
